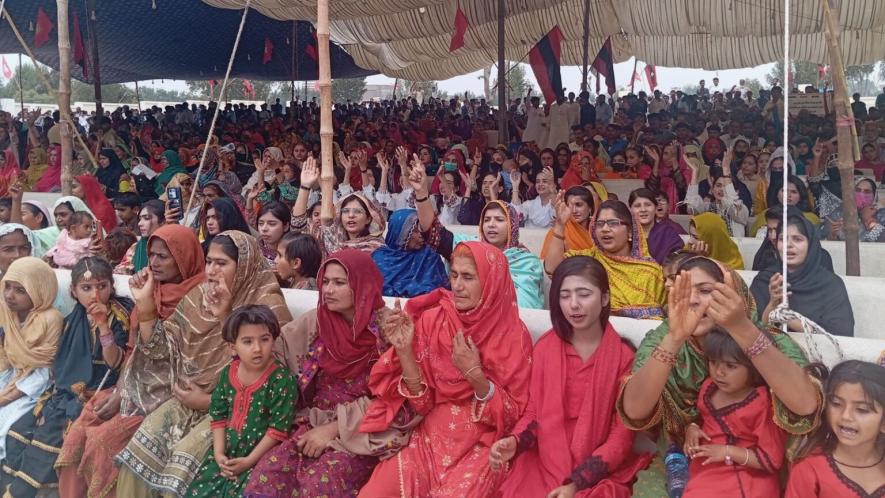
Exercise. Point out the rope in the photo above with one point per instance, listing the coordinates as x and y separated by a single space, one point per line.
230 65
782 314
786 92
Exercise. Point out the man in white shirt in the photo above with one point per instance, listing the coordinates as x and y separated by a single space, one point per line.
558 129
604 112
574 110
538 212
534 117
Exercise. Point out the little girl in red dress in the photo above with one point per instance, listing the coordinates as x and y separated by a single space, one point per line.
845 455
737 450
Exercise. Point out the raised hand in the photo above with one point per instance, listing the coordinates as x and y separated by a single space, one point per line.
218 298
684 318
345 161
515 178
398 328
418 178
477 156
726 306
563 211
310 173
141 285
402 156
383 163
776 290
465 354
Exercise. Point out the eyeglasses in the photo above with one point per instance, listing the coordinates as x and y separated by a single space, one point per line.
353 211
614 223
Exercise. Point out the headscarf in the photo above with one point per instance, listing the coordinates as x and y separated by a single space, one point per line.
47 215
32 344
188 256
10 172
776 179
350 349
275 153
8 228
169 172
99 204
663 239
335 237
461 170
707 151
815 291
408 273
573 177
493 325
51 178
49 235
110 176
712 230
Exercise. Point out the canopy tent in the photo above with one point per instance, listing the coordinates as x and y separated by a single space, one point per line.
410 38
178 39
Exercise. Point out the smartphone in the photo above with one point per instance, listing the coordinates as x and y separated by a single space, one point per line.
174 196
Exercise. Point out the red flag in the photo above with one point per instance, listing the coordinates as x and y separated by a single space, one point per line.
268 50
79 48
461 26
311 49
821 72
604 66
7 71
637 76
44 27
212 84
651 75
544 59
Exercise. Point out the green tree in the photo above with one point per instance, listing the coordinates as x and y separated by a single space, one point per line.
344 89
804 73
753 85
860 79
519 83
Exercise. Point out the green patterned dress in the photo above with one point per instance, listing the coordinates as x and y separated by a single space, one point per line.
248 413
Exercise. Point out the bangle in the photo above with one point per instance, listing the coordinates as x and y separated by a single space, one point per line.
748 457
302 187
488 396
107 340
759 346
558 236
411 379
663 356
147 316
422 199
467 373
728 460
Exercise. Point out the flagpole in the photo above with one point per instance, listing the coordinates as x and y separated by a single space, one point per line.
96 71
633 78
586 68
21 89
294 57
502 90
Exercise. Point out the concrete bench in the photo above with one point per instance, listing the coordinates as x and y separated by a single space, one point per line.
46 198
538 322
865 296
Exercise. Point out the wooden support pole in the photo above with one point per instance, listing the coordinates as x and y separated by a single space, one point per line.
327 174
96 67
586 40
21 89
502 73
138 96
847 146
64 96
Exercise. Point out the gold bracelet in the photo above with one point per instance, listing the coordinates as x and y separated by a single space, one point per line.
558 236
748 457
467 373
663 356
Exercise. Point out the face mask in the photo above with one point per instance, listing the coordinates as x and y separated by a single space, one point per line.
863 199
450 166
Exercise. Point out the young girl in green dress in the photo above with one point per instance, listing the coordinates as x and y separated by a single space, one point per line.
252 406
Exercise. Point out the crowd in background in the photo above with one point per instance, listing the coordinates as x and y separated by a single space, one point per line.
446 395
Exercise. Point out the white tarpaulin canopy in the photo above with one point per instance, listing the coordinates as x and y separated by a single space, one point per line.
410 38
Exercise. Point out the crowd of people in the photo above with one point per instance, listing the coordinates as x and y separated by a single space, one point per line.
205 385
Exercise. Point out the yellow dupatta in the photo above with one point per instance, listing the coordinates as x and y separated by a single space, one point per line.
712 230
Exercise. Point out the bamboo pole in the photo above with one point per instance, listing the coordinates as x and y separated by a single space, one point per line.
502 89
847 147
327 175
586 48
64 96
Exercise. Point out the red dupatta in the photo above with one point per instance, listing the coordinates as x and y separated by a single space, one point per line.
350 349
99 204
612 359
188 255
494 325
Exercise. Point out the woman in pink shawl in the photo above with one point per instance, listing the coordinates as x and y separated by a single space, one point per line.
570 441
51 179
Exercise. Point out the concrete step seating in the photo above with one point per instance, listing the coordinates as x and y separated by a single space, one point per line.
866 348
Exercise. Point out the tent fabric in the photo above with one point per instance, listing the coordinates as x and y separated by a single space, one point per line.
410 38
179 39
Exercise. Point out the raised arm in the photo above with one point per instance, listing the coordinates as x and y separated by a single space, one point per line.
418 181
556 251
310 175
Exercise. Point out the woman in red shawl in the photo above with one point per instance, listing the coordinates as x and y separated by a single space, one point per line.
85 465
9 171
330 351
582 170
461 359
51 179
570 442
453 162
87 188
